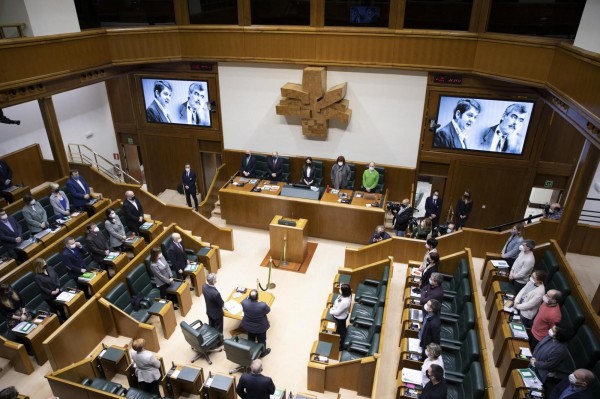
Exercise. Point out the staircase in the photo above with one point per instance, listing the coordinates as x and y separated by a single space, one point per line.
81 153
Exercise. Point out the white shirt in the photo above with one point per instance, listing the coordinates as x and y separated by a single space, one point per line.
341 307
462 136
134 204
163 109
498 141
81 185
428 362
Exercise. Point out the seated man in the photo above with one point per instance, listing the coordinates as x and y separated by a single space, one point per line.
34 214
433 290
133 211
248 165
379 235
72 257
275 167
575 386
97 244
11 233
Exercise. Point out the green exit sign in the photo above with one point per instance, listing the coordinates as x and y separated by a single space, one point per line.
130 141
549 183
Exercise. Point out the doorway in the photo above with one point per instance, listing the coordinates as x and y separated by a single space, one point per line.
132 162
539 198
425 186
210 163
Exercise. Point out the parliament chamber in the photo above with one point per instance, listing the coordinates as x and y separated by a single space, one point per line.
85 87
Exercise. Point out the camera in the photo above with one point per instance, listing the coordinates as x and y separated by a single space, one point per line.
393 207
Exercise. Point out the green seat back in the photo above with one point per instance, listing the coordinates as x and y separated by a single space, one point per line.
29 292
139 281
571 314
584 348
120 297
559 282
549 264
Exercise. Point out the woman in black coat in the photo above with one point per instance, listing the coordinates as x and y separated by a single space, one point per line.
464 206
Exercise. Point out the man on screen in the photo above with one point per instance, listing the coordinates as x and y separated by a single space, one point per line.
504 137
454 134
194 111
158 110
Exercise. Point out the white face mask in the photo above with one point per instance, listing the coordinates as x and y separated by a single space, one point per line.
371 168
448 231
427 307
551 332
521 248
4 217
572 379
187 169
179 240
435 197
341 163
72 246
112 215
32 203
96 229
431 282
545 299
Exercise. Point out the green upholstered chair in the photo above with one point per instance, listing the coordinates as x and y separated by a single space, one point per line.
549 264
583 351
360 332
451 281
571 314
104 385
139 282
454 332
559 282
357 351
136 393
472 387
202 338
242 352
454 306
29 292
457 361
121 298
365 312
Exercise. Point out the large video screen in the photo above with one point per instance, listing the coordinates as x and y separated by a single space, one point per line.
478 124
184 102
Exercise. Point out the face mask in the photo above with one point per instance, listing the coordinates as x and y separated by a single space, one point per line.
187 169
427 246
427 307
371 168
551 332
545 299
435 197
341 163
448 231
308 162
532 280
56 191
75 176
96 229
72 246
112 215
179 240
4 217
132 198
32 203
572 379
521 248
431 282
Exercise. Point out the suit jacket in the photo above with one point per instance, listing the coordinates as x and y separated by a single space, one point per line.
464 209
255 386
428 292
97 245
73 260
488 137
276 167
447 137
437 391
431 331
402 218
59 210
35 216
161 271
214 302
202 116
548 354
564 384
47 283
155 114
431 208
132 215
248 167
511 248
7 236
426 274
306 179
177 256
77 192
147 366
255 319
116 231
5 174
189 181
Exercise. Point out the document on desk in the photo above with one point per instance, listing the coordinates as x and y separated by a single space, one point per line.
24 327
65 297
233 307
414 345
518 330
530 379
499 264
411 376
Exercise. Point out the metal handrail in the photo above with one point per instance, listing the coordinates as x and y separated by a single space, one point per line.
527 220
92 158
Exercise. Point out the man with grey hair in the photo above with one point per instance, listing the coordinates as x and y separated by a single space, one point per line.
254 385
195 110
433 290
133 212
575 386
504 137
214 303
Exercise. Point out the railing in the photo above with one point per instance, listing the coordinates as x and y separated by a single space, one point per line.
206 207
81 153
527 220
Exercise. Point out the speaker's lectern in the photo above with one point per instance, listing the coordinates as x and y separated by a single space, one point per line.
293 232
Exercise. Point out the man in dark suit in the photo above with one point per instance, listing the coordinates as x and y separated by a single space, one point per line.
504 137
72 257
255 320
254 385
454 134
79 189
248 164
433 207
133 212
11 233
178 257
575 386
5 177
158 110
275 167
214 303
188 179
436 388
432 324
97 244
195 110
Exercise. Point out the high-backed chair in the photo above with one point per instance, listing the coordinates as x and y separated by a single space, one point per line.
454 332
318 165
18 215
104 385
29 292
135 393
559 282
380 183
357 351
571 314
350 185
458 361
583 352
260 170
203 339
285 174
242 352
361 332
62 271
454 306
549 264
472 387
139 282
120 297
451 281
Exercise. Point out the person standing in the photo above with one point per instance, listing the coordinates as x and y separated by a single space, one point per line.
274 167
116 230
575 386
47 281
161 272
436 388
308 172
214 302
432 325
433 290
11 233
434 356
340 173
370 178
431 246
79 189
133 212
34 214
433 208
12 307
432 266
97 244
59 201
510 251
5 176
340 310
402 217
255 320
523 266
550 352
547 317
178 257
248 165
529 299
254 385
464 206
147 367
72 257
188 179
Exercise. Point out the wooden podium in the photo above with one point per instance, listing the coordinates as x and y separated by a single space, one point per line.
296 239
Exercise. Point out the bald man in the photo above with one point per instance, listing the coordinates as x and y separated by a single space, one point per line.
133 211
547 316
254 385
575 386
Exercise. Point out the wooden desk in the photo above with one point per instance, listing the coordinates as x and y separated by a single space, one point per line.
406 331
74 304
497 315
264 183
247 186
197 276
39 334
510 360
360 200
515 388
30 251
114 360
184 298
153 231
491 274
327 220
119 262
76 219
186 380
210 258
263 296
295 237
96 283
98 205
221 387
53 237
502 340
136 245
17 193
335 198
330 335
166 313
7 265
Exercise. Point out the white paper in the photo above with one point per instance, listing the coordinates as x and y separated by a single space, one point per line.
65 296
411 376
500 264
414 345
233 307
